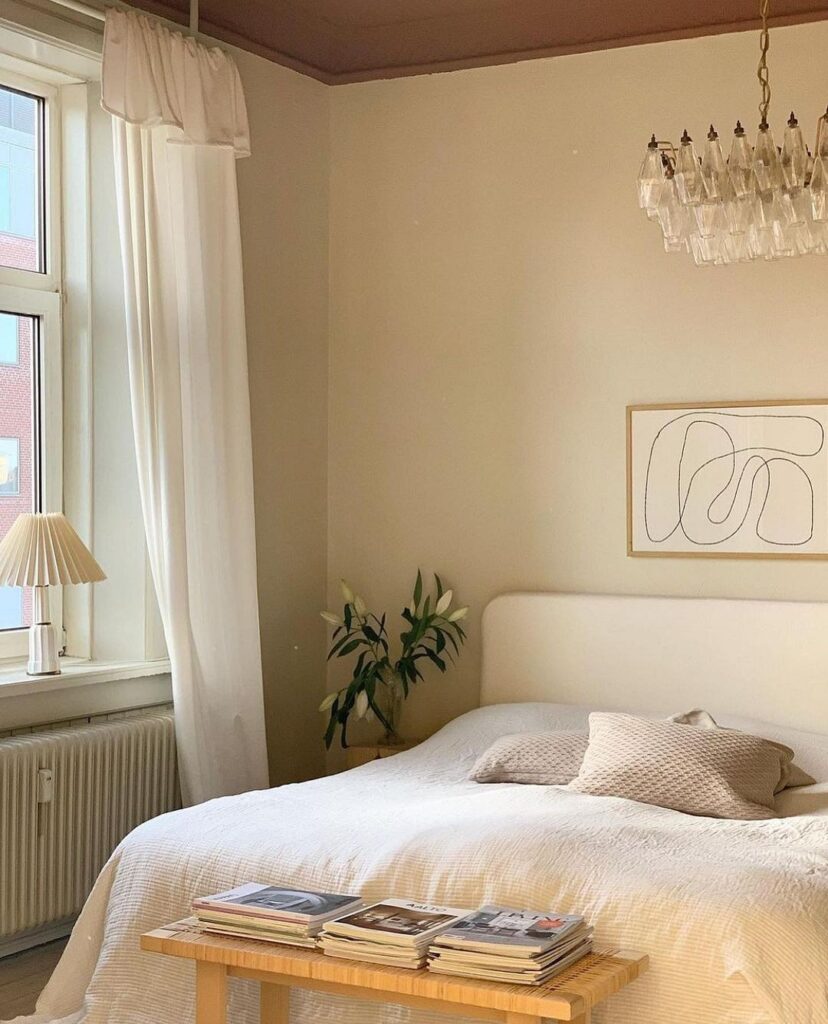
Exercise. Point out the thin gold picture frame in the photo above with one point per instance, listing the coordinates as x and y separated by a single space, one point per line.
664 406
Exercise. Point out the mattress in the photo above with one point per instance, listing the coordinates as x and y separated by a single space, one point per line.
734 914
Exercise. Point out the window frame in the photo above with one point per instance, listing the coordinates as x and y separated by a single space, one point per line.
38 294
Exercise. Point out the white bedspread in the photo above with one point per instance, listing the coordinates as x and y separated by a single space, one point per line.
733 914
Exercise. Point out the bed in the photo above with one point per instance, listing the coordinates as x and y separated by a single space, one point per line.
733 913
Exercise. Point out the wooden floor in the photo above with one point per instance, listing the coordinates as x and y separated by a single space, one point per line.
23 976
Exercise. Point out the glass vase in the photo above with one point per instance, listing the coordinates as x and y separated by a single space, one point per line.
390 698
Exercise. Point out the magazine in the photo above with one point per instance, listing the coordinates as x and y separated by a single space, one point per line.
271 924
394 956
261 935
524 977
508 931
448 955
396 922
301 906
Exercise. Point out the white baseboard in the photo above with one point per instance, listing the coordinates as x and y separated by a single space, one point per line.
37 937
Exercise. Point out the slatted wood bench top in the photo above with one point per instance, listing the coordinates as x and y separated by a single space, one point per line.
568 997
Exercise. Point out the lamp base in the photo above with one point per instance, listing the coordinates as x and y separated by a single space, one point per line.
43 650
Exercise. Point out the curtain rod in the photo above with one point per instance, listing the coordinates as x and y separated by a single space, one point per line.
82 8
100 15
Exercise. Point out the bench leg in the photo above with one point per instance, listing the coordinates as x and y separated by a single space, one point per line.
211 993
274 1002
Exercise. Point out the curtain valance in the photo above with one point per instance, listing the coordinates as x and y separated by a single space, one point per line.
154 76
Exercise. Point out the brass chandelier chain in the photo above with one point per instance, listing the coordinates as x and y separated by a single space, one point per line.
762 72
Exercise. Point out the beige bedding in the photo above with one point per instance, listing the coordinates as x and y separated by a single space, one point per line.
733 913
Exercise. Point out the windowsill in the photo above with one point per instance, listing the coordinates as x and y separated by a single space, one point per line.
75 672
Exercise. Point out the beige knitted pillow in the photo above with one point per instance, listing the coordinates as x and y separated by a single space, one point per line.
533 758
792 774
717 773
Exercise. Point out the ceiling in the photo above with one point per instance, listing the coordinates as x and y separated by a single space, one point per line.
340 41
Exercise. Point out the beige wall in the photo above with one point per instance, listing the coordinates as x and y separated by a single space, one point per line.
283 196
496 301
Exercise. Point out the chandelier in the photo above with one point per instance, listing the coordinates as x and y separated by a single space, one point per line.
760 203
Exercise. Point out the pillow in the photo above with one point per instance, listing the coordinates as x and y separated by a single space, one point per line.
533 758
716 773
546 758
792 774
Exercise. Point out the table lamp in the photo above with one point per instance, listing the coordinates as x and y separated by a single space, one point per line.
42 550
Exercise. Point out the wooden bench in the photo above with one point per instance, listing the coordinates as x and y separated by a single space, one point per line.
569 997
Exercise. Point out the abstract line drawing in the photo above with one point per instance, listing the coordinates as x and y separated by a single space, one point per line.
749 480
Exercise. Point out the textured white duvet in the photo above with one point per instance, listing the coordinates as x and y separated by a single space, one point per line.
733 914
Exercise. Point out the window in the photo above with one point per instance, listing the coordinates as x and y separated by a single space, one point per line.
22 195
30 343
9 342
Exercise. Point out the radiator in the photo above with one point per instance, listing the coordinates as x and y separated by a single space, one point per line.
67 798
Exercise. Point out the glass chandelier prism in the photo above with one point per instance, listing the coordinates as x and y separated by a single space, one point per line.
761 202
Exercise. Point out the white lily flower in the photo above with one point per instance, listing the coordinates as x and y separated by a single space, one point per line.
347 593
361 704
328 701
332 618
444 602
359 606
460 613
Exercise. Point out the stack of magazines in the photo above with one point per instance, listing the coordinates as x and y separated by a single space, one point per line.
253 911
520 947
394 932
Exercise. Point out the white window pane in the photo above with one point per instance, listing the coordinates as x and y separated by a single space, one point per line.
19 461
21 198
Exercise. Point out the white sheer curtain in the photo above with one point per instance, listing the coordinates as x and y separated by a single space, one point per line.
179 122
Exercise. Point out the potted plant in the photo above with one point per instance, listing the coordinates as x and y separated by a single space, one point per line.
379 683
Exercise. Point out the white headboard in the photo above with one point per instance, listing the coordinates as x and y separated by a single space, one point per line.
757 659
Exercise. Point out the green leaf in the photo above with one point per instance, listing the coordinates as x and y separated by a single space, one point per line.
335 647
348 616
437 661
439 586
329 732
372 635
351 646
452 641
418 589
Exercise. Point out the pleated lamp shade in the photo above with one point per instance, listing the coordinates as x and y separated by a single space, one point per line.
43 550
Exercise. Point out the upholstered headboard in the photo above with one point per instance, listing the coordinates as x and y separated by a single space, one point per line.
759 659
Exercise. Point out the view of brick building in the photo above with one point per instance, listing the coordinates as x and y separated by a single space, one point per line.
18 249
16 445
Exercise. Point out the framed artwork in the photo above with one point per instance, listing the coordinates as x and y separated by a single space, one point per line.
728 480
